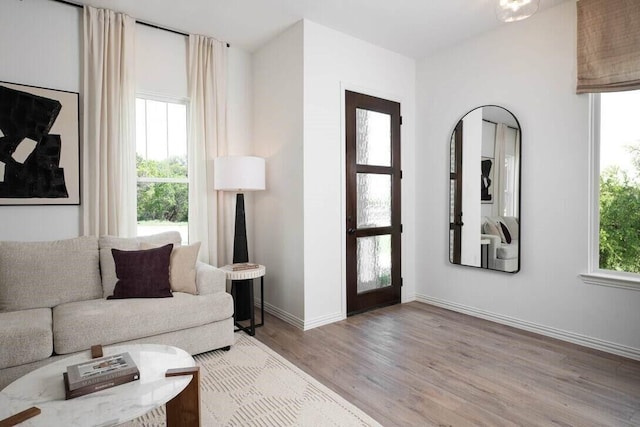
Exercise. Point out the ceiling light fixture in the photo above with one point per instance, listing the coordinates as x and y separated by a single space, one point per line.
516 10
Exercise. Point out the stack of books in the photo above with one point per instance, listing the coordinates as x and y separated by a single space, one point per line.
243 266
99 374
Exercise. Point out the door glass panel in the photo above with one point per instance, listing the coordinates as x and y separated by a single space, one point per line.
373 138
374 200
374 262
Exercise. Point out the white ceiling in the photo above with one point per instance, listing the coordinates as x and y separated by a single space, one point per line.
414 28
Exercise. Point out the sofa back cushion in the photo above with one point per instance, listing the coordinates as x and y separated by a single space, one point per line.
106 243
46 274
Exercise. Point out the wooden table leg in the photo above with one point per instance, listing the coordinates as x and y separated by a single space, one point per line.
20 417
184 409
96 351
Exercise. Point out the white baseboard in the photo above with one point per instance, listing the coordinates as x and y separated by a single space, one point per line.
296 321
408 297
324 320
598 344
282 315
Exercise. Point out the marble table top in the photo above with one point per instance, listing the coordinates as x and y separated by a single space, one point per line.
44 388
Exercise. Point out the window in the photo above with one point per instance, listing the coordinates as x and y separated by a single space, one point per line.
161 161
615 201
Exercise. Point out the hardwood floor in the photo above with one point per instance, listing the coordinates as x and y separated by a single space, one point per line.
418 365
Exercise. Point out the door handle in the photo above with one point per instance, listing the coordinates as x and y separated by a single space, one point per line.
351 231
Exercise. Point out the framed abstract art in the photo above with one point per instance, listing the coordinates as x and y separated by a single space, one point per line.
486 180
39 146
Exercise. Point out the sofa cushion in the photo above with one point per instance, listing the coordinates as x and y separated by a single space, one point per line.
26 336
182 268
505 251
143 273
79 325
106 243
45 274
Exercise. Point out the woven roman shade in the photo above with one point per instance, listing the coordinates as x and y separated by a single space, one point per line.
608 45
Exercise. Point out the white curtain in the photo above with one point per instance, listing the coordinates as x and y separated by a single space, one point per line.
499 172
207 140
109 167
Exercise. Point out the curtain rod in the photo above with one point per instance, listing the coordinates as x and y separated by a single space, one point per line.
146 24
494 123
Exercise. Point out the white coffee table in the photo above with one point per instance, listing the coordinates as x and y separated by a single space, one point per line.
44 388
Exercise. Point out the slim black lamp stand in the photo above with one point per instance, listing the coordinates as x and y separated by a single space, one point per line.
240 174
243 303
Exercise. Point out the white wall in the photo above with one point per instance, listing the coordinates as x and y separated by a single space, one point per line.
278 136
528 67
239 141
334 62
40 46
161 63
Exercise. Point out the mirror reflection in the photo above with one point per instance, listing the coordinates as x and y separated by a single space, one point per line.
484 219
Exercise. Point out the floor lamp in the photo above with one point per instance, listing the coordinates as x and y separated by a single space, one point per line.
240 174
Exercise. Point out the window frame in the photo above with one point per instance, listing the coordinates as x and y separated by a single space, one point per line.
167 100
595 275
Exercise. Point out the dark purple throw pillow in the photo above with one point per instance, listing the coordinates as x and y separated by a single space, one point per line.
142 274
505 231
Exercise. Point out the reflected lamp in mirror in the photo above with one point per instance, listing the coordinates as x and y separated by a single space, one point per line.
516 10
484 177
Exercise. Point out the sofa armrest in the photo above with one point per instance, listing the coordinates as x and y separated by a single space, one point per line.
210 279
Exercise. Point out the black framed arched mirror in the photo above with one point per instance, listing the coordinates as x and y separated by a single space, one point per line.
485 164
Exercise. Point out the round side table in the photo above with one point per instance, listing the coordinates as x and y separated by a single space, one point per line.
247 274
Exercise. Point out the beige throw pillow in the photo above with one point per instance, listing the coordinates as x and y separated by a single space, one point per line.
182 267
490 228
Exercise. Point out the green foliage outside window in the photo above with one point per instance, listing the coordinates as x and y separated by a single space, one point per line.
620 218
162 201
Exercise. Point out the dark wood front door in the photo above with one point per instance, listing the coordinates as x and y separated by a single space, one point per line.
373 227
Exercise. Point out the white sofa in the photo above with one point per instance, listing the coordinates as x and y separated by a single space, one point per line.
53 304
502 256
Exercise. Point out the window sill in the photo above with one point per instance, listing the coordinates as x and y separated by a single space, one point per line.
612 280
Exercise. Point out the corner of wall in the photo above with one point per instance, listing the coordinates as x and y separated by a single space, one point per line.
277 136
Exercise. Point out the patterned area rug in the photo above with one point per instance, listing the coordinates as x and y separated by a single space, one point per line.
251 385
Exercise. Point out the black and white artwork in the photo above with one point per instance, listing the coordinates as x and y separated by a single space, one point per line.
39 146
486 180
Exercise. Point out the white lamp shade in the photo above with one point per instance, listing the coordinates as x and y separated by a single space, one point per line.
238 173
